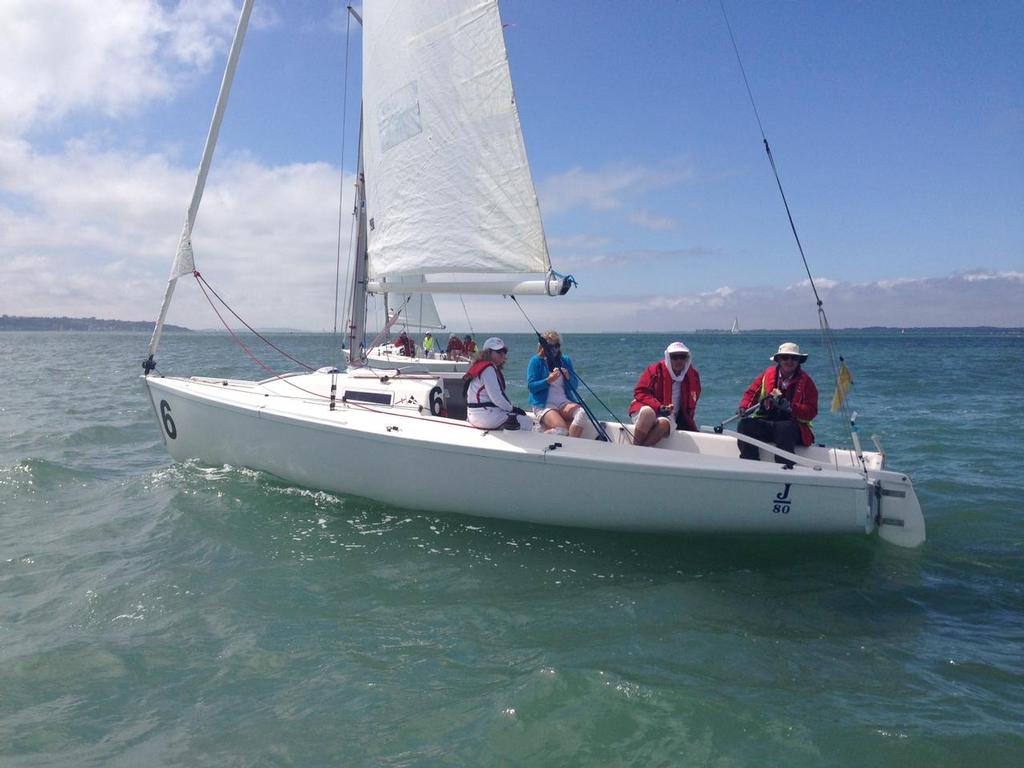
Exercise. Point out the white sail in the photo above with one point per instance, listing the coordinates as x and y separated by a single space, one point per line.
448 186
416 310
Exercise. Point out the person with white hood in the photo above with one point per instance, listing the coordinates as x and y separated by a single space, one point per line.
666 394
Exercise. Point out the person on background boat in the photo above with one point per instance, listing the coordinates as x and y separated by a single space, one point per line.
405 345
789 401
454 348
665 394
487 405
552 383
468 346
428 345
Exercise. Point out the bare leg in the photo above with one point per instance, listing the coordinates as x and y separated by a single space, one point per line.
661 430
553 420
570 413
649 428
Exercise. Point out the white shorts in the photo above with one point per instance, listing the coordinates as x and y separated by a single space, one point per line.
486 418
493 418
636 415
540 413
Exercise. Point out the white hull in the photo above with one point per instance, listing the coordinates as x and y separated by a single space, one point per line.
387 356
692 482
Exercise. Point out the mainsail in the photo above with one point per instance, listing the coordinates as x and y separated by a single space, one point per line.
448 186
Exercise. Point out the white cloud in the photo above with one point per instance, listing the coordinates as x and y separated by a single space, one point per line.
578 242
652 221
608 188
108 56
89 230
93 233
982 275
822 283
954 300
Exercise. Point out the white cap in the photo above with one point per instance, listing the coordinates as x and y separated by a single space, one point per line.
676 346
494 343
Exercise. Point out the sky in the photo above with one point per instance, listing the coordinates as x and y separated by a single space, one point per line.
897 130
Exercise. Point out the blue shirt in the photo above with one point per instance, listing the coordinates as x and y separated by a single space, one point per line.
537 380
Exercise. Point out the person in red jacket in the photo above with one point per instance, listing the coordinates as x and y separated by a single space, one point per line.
406 346
789 401
666 393
454 350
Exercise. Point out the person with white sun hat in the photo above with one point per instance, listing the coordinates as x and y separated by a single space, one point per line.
787 400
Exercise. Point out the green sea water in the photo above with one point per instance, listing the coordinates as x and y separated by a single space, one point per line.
161 614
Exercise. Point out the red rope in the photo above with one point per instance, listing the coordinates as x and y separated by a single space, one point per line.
264 366
203 285
257 334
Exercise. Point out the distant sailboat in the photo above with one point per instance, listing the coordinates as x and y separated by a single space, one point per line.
735 326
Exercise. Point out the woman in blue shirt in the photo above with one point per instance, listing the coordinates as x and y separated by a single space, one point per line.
552 383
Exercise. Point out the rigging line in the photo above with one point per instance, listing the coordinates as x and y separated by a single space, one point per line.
589 388
601 432
341 173
241 343
767 148
826 330
466 313
202 282
388 323
441 419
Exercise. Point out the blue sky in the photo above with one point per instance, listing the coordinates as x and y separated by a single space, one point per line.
898 129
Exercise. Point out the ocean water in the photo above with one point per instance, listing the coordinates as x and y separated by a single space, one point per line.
161 614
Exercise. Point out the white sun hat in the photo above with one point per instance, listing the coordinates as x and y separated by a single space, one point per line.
789 348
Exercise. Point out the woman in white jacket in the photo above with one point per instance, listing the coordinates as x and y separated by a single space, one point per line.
488 407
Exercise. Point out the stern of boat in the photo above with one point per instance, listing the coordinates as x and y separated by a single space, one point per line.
895 509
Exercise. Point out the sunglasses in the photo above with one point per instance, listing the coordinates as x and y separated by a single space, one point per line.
780 358
502 351
679 356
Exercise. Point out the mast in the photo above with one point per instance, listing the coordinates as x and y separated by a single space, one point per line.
357 320
184 259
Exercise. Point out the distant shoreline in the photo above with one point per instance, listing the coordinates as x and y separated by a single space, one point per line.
20 323
93 324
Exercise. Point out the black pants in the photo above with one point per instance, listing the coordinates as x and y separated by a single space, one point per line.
784 434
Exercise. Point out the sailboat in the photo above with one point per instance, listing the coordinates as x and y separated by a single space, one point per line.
445 187
735 326
416 312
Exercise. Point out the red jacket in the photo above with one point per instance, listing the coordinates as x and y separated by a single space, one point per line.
801 394
654 388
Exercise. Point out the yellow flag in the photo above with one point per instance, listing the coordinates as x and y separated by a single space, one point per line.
843 382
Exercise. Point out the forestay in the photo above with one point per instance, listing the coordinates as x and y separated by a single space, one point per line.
417 310
448 186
